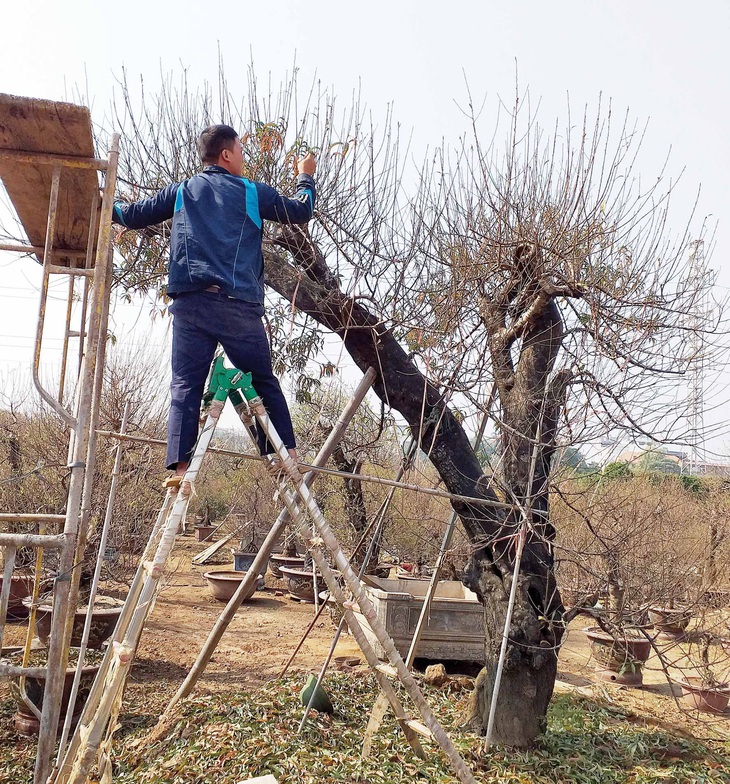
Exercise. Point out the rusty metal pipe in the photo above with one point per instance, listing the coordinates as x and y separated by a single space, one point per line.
66 336
9 556
47 260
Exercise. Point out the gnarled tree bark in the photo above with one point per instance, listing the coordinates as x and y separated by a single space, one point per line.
536 631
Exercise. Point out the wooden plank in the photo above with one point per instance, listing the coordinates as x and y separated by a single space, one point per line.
49 128
387 669
421 729
209 552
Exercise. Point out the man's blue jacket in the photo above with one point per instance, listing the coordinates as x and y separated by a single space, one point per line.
217 228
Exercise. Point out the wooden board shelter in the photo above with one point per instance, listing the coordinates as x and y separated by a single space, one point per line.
31 131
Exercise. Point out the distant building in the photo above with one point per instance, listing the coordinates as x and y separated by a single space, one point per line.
681 460
708 468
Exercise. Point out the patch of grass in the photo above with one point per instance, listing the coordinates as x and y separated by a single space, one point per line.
225 738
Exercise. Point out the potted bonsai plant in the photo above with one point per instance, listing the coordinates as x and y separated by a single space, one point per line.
671 621
211 508
244 555
705 691
620 653
288 557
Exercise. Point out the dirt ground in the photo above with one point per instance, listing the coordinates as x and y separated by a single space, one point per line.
267 629
256 645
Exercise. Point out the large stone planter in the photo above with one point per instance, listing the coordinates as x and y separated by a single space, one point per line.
701 697
278 560
103 621
300 583
243 561
224 583
26 721
455 625
670 622
21 587
204 533
619 660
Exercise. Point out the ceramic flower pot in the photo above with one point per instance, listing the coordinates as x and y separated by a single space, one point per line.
670 622
290 561
224 583
103 621
21 587
300 583
619 660
243 561
204 532
702 697
26 720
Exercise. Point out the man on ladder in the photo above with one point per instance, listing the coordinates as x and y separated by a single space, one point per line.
216 280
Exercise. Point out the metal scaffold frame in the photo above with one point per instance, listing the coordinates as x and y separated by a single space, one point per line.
93 265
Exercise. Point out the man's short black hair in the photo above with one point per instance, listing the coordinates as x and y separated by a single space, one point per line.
213 140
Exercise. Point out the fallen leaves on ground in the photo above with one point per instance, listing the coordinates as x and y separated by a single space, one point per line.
230 736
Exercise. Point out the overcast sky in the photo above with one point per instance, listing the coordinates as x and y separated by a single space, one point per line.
667 62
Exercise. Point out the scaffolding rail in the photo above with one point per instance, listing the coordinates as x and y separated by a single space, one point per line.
63 196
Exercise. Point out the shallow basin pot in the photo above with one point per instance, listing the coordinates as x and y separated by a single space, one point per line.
224 583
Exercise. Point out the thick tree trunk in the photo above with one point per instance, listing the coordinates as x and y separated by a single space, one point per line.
529 676
530 665
355 510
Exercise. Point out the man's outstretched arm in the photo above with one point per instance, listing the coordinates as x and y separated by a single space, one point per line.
147 212
298 209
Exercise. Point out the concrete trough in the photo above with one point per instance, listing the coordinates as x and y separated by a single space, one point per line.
455 626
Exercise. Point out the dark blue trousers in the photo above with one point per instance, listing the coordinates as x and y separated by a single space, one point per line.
201 321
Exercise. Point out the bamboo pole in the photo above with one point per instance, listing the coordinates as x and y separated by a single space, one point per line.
432 491
368 612
94 586
109 682
380 708
47 541
357 632
102 314
267 547
123 654
99 685
377 532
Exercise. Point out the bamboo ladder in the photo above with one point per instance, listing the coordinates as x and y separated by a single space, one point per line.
93 735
